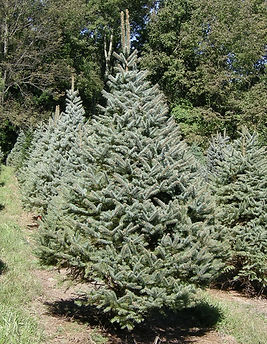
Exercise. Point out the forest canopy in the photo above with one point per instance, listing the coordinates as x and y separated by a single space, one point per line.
208 57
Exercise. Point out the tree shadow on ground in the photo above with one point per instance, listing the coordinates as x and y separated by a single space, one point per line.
3 267
172 328
2 207
2 184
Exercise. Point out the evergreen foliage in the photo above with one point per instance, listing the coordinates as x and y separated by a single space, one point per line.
52 156
36 140
1 155
14 157
216 152
138 221
19 153
240 187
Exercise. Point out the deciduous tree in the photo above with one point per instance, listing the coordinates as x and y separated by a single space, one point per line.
209 54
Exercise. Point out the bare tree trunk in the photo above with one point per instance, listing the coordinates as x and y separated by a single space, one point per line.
108 53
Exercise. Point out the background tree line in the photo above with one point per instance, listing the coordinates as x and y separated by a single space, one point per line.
209 58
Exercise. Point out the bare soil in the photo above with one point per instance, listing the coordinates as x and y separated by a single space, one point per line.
59 328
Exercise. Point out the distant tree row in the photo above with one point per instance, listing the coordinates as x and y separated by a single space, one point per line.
43 42
207 56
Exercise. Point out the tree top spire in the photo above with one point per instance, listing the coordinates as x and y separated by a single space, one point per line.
125 33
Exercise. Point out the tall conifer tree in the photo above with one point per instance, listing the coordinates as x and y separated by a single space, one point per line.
137 223
52 157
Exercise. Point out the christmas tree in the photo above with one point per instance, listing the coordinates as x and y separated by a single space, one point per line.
20 151
240 187
138 221
52 157
37 137
14 157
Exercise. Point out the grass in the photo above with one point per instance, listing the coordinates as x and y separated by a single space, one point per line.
97 338
241 321
17 286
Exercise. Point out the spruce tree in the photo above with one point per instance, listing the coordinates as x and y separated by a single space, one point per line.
14 157
240 187
31 158
19 153
138 221
52 157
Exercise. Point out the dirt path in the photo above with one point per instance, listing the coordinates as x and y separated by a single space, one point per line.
61 328
64 325
52 307
259 305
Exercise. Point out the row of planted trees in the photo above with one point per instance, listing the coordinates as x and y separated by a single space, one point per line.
127 208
